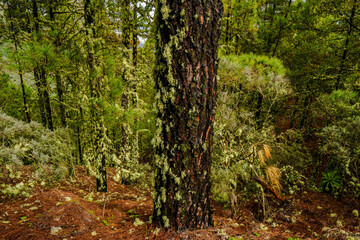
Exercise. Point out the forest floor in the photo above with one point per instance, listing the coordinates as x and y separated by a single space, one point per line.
73 210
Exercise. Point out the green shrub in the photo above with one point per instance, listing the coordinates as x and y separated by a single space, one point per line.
251 90
51 152
331 183
342 148
291 180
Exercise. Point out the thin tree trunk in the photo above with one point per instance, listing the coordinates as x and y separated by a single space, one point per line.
59 85
46 99
227 31
40 78
59 88
125 133
345 53
279 33
98 129
40 96
135 37
26 110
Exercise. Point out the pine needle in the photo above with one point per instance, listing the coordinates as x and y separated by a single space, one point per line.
261 157
273 175
267 150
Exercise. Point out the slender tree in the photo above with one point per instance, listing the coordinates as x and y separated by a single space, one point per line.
93 9
40 74
186 75
11 7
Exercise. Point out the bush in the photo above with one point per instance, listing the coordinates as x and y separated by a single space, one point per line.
251 89
342 147
51 152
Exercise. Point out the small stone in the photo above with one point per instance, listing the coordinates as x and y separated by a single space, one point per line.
339 224
355 213
93 233
156 231
67 199
138 222
263 227
55 230
325 229
235 224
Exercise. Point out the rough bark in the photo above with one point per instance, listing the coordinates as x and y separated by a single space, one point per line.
91 8
186 76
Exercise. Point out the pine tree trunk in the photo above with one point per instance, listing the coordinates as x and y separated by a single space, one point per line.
186 77
345 53
14 37
91 9
40 78
40 95
59 84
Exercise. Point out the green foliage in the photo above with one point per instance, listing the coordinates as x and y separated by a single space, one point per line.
290 150
10 96
243 126
331 183
337 105
291 180
341 146
22 143
19 189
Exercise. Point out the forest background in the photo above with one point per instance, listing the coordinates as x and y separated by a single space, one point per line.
77 88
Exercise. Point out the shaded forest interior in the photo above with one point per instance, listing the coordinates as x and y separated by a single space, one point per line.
140 99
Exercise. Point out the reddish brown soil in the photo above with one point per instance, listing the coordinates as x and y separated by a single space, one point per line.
63 211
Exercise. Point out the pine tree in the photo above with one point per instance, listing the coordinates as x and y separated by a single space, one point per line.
186 76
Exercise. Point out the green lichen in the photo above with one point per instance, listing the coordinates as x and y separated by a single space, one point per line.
166 221
165 10
163 194
178 196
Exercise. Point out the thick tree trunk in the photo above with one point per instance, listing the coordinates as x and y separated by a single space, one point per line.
186 76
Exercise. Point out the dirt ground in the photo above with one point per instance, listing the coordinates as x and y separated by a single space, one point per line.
73 210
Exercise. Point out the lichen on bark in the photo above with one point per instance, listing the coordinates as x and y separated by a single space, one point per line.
185 76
